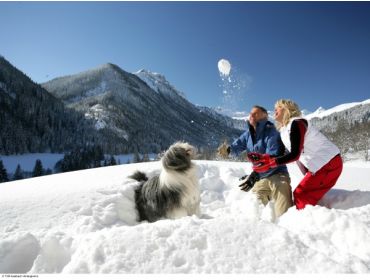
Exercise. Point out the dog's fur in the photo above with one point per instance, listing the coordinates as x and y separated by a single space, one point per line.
175 192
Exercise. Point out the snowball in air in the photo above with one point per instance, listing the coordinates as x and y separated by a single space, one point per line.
224 67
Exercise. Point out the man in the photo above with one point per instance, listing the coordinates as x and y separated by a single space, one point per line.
262 137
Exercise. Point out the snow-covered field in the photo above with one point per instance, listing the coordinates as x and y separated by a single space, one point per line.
84 222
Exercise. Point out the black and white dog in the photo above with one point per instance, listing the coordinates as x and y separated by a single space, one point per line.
175 192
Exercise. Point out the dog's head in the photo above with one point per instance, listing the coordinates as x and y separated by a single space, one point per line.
178 157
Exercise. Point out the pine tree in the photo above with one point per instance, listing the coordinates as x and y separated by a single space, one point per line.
18 175
145 158
38 169
136 157
3 173
112 160
48 171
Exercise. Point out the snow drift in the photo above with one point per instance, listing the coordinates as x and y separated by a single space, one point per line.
85 222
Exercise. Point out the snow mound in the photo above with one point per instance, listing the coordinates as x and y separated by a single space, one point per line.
85 222
18 253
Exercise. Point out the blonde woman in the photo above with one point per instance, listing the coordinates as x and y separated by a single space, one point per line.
318 158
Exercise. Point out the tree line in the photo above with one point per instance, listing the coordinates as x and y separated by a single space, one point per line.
20 174
77 159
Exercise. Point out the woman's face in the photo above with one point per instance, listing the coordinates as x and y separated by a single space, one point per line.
279 114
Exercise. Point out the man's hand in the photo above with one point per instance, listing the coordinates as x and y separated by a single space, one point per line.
223 150
264 163
248 181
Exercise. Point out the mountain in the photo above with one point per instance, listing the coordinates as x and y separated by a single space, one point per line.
347 125
159 84
306 112
143 110
33 120
140 112
239 124
339 109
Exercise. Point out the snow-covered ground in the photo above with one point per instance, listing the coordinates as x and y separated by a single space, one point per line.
84 222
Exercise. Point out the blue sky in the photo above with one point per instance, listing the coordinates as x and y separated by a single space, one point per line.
316 53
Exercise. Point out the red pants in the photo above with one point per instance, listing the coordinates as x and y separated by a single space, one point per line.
313 186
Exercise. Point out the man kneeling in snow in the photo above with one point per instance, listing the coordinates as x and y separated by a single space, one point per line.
262 137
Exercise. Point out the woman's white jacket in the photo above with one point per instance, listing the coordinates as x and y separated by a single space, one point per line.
317 149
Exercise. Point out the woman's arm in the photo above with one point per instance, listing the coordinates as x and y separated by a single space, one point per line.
297 133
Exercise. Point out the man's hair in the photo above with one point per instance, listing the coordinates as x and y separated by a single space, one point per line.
260 108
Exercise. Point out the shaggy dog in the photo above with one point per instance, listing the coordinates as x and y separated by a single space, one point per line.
175 192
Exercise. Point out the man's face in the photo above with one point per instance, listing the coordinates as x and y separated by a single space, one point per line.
255 116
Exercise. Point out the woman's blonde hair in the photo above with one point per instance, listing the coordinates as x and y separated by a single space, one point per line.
291 110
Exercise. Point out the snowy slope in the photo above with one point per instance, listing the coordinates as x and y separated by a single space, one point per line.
158 83
84 222
321 112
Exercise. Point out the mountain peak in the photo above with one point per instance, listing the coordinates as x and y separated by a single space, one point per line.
317 112
108 67
154 75
321 112
320 109
158 83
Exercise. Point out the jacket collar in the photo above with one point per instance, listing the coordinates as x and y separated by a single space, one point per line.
260 126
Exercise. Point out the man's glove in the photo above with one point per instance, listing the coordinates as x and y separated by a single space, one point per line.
248 181
264 163
223 150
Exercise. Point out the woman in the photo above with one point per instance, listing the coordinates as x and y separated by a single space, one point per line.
318 158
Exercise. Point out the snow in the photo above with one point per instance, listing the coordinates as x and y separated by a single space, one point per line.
98 113
321 112
158 83
224 67
99 90
84 222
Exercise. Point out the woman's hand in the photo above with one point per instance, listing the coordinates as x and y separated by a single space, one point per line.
262 162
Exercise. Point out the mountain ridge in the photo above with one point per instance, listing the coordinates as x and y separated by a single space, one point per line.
146 117
127 112
33 120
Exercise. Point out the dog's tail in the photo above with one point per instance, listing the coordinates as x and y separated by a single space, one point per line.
139 176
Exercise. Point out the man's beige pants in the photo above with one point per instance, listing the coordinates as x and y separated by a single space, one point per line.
276 187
